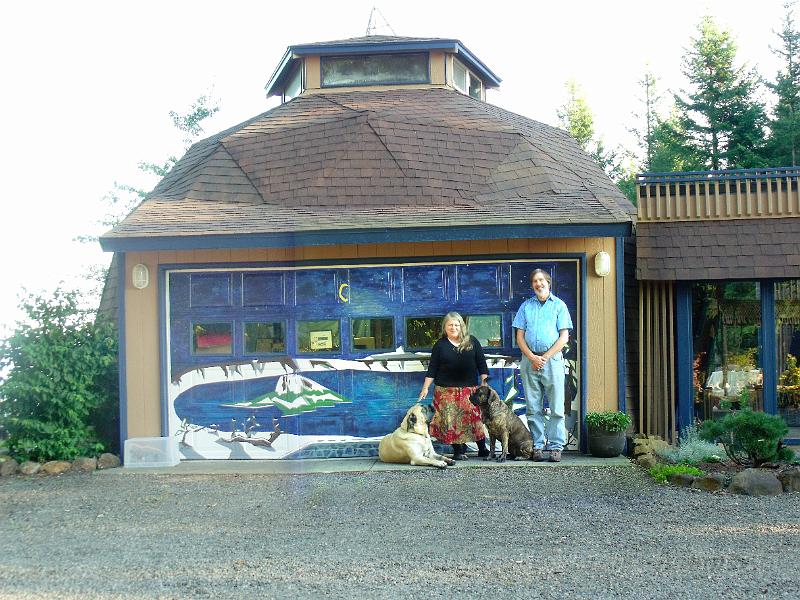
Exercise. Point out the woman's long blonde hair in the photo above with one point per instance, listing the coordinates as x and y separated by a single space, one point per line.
464 338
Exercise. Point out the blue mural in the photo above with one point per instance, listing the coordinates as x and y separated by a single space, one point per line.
329 383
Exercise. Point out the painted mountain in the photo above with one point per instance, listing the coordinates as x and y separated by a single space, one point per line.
293 395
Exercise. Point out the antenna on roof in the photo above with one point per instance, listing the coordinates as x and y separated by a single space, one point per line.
372 26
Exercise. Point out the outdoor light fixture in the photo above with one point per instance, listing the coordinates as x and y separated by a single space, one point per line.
140 276
602 264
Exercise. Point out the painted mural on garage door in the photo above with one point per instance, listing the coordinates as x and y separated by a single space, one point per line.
324 361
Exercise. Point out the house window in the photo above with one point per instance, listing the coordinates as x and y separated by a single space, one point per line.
294 85
727 364
265 337
318 336
465 80
373 333
377 69
787 324
212 338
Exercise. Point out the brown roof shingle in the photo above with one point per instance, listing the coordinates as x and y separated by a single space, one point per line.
370 160
734 249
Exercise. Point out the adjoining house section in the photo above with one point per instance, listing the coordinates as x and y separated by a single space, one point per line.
281 287
718 259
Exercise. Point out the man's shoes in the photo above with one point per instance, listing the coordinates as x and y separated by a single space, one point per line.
555 455
537 456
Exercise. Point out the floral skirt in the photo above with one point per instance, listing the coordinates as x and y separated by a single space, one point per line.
456 420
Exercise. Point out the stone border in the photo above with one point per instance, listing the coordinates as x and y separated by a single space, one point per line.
83 464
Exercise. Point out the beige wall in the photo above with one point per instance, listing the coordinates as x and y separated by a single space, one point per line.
142 318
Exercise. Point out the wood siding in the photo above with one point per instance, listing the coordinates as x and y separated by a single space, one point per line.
142 318
656 408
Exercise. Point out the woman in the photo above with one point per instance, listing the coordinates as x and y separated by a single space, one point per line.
455 360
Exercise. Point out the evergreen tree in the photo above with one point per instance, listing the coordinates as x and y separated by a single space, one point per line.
577 118
721 116
784 142
645 136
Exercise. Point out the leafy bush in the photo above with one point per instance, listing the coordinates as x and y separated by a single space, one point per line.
611 421
660 472
691 450
749 437
61 378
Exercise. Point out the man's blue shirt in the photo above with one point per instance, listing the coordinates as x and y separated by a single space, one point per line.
542 322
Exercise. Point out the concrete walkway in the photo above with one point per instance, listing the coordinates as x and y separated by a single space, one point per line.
350 465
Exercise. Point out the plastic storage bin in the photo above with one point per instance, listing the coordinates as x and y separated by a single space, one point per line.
151 452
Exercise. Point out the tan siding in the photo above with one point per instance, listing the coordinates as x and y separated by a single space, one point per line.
437 67
143 366
313 74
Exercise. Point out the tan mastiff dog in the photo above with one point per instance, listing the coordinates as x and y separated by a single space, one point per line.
410 443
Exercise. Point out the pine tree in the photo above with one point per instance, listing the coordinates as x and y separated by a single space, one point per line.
784 142
648 118
721 116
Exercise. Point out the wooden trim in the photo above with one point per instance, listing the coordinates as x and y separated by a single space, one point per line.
720 199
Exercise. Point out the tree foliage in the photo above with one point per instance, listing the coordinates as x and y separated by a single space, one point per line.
59 398
721 118
749 437
784 142
576 117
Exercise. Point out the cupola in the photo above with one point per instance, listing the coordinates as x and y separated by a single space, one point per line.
380 62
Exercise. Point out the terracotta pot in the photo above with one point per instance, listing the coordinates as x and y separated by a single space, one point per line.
604 444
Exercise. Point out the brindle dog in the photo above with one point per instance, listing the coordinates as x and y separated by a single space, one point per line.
502 424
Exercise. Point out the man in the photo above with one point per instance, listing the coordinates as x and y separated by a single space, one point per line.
542 328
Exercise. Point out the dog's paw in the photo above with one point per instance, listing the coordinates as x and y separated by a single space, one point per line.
501 458
448 462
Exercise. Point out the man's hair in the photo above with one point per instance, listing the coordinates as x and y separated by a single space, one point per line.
543 272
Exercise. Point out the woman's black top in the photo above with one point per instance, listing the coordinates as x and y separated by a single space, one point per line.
451 368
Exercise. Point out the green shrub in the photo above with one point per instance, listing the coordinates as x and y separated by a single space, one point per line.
691 450
61 377
611 421
749 437
660 472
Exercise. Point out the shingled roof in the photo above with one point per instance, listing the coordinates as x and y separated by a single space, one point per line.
377 160
709 250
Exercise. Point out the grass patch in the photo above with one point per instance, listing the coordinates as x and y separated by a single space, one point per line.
659 473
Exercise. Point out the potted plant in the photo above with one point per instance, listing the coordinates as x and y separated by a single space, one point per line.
607 432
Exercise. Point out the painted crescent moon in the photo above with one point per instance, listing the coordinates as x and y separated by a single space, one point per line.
341 295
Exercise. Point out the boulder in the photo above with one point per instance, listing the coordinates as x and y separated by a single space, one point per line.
647 461
56 467
30 468
681 479
790 479
108 461
84 464
755 482
8 467
709 483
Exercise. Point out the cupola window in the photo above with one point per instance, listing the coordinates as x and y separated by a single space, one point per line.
465 80
375 69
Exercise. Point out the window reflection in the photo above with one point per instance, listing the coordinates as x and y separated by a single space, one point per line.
372 333
727 365
212 338
787 313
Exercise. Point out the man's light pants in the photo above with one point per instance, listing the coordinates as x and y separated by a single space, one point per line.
548 382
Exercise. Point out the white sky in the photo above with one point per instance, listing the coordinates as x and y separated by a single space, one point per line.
86 87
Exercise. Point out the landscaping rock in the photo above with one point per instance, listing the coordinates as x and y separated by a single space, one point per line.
710 483
648 461
8 467
755 482
84 464
790 479
56 467
108 461
30 468
681 479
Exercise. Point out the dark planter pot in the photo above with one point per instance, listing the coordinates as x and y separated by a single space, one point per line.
604 444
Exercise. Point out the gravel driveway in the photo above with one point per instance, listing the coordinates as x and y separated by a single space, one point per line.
606 532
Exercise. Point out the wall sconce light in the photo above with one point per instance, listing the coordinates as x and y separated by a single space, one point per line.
602 264
140 276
